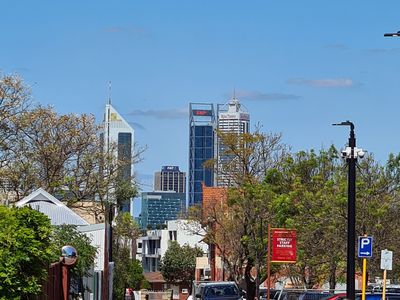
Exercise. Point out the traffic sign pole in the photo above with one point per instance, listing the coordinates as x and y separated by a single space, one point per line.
365 246
386 264
384 285
364 279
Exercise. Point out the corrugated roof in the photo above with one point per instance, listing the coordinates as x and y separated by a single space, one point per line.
57 211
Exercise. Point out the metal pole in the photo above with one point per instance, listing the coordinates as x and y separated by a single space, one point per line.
351 213
105 279
269 263
364 279
351 217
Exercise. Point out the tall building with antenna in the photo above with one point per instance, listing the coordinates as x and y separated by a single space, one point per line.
232 118
201 148
118 135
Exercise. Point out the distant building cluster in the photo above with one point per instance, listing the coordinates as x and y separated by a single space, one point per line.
167 201
204 144
164 207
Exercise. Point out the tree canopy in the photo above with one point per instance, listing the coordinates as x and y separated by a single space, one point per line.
179 263
26 251
307 191
128 271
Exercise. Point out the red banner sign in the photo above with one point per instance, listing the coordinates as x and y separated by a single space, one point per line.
283 245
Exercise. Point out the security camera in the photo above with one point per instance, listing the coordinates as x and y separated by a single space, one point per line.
360 153
346 152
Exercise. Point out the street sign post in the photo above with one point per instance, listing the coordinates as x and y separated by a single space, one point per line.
386 264
283 245
364 252
365 246
386 259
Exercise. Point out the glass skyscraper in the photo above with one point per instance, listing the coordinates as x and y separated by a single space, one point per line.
159 207
201 149
119 133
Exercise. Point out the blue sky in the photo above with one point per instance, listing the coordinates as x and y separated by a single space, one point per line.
298 66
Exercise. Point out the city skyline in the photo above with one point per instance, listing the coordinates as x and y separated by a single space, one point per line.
297 67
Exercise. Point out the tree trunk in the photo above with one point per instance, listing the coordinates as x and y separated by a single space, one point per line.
332 276
250 282
308 278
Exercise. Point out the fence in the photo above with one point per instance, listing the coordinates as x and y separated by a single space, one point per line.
52 288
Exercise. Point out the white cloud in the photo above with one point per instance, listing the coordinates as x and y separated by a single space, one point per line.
178 113
260 96
324 83
384 51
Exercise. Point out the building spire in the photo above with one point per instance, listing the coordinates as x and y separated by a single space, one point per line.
109 92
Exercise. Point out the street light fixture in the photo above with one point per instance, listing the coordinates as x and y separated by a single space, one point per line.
350 154
393 34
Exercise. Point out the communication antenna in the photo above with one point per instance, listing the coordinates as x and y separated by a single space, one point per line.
109 92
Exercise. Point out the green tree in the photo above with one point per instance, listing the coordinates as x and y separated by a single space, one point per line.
69 235
179 263
128 271
25 251
243 245
313 198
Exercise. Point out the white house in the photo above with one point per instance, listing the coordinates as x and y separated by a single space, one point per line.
60 214
153 246
57 211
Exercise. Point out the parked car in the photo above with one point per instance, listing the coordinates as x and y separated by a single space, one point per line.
224 290
311 295
339 296
263 293
378 296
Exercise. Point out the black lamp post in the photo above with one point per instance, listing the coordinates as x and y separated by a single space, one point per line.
350 153
393 34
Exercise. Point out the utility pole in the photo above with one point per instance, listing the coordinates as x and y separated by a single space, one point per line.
350 154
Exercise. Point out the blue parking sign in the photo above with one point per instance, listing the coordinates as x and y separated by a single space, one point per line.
365 246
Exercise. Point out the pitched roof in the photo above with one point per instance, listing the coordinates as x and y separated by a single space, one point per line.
57 211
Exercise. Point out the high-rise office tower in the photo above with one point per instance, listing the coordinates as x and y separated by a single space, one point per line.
232 118
170 179
159 207
201 149
118 136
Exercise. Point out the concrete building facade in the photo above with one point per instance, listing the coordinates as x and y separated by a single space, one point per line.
232 118
170 178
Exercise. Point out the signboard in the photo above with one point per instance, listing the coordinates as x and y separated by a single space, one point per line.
202 112
234 116
283 245
365 246
386 259
170 168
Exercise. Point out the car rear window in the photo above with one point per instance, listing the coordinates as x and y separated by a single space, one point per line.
221 290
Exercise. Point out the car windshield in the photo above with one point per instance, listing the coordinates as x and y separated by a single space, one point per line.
221 291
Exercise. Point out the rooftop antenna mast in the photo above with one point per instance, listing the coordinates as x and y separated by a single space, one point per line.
109 92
